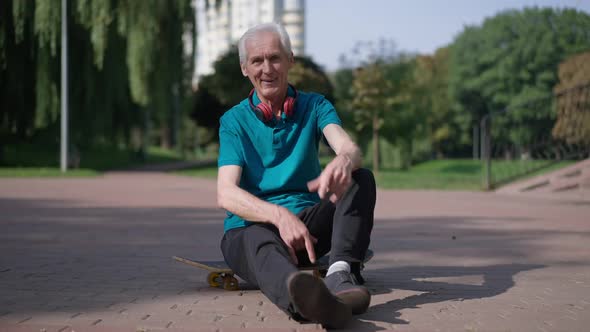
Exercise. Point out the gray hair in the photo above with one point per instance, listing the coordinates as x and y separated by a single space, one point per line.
264 27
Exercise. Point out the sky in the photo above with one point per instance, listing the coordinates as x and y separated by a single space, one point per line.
333 27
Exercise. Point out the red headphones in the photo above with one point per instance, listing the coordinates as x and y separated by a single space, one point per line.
265 112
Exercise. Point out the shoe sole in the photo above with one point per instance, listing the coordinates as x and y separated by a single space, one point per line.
315 302
357 299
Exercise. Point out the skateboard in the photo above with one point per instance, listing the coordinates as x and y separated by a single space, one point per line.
220 275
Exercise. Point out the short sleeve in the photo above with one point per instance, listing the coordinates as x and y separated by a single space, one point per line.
326 113
229 145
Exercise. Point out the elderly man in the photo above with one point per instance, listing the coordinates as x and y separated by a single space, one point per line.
283 210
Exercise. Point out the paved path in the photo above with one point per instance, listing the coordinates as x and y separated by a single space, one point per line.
94 255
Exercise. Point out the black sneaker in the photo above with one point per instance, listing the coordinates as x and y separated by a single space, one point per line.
312 300
345 286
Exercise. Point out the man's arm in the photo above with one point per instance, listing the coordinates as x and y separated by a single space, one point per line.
337 176
343 145
240 202
249 207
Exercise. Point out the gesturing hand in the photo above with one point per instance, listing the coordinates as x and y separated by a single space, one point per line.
295 235
334 180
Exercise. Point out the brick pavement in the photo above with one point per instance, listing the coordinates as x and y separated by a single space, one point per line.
94 255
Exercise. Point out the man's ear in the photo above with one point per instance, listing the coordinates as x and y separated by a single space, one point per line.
244 71
291 60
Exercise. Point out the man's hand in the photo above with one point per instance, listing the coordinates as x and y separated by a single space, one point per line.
295 234
334 180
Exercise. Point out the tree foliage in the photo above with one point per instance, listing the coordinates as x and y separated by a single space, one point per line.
405 119
227 83
124 56
510 60
431 77
343 95
128 70
306 75
371 100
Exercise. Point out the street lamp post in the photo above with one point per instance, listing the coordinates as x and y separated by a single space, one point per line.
64 87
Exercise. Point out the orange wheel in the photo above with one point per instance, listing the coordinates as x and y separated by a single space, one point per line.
213 279
317 273
230 283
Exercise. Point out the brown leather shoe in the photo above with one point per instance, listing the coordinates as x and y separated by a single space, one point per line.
312 300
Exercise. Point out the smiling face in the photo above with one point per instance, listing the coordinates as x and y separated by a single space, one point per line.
267 66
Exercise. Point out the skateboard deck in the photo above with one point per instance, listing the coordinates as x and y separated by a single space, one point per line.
220 275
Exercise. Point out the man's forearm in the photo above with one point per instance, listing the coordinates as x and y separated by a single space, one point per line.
343 145
247 206
352 152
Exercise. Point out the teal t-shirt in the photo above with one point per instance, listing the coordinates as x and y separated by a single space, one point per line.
278 158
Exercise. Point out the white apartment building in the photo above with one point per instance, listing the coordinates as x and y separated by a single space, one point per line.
221 23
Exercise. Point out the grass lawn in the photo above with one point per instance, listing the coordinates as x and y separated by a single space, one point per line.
16 172
446 174
30 160
503 171
202 172
440 174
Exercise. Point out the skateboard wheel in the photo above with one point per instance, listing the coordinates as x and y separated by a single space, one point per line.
316 273
213 279
230 283
320 273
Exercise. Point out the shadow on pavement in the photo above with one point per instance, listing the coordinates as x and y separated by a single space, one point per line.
495 280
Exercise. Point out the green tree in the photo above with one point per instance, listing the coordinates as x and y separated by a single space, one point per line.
306 75
124 56
371 100
206 112
431 77
404 121
384 100
510 61
227 83
343 96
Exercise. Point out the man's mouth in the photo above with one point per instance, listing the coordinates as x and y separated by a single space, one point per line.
268 82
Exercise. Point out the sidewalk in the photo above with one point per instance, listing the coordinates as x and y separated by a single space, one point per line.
95 255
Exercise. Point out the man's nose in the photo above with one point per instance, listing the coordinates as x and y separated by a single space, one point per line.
266 67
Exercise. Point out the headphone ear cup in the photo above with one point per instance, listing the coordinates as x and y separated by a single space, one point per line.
262 110
266 111
289 106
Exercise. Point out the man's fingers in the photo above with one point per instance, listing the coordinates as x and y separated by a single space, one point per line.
334 198
309 248
324 191
335 194
338 191
313 185
319 186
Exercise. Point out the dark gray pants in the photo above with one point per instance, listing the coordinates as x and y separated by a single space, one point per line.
259 256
